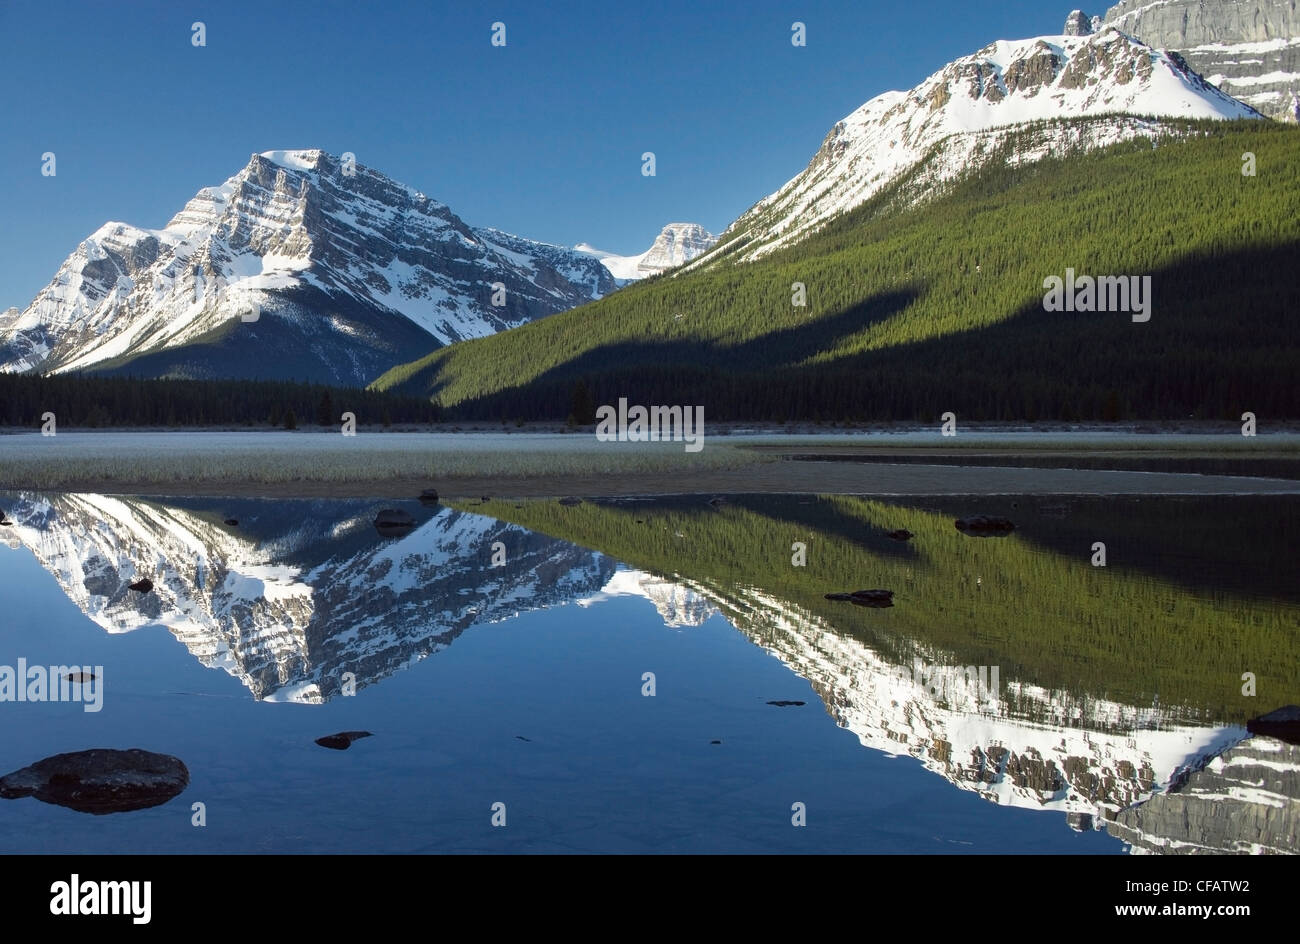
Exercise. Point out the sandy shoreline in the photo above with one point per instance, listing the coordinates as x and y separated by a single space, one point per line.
781 477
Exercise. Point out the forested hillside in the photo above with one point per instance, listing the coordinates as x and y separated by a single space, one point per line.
914 312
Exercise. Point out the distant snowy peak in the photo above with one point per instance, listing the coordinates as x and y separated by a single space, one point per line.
1002 88
676 244
678 604
355 271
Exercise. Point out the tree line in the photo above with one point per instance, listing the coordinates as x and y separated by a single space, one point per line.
84 400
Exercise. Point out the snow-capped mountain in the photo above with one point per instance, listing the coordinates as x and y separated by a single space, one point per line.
677 243
1248 48
297 593
299 266
960 115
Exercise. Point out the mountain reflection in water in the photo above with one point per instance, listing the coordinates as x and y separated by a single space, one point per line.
1097 711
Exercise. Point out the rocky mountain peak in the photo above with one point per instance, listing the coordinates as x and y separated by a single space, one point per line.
343 271
1086 91
1079 23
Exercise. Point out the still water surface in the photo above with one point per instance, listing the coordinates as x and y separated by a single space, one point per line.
1015 698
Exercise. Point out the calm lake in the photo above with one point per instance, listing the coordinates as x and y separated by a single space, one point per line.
664 675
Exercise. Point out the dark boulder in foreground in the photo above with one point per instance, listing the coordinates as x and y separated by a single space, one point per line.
143 585
787 704
902 534
394 521
570 501
1283 724
343 740
429 496
985 526
875 598
100 781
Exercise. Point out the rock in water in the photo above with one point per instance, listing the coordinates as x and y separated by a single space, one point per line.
233 522
144 585
570 501
393 521
343 740
985 526
873 598
429 496
100 781
1282 723
786 704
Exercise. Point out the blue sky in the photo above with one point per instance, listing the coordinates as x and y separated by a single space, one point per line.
542 137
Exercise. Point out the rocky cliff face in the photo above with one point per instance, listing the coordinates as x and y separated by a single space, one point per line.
1248 48
1079 23
1246 800
299 266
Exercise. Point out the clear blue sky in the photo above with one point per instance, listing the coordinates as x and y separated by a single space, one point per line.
542 137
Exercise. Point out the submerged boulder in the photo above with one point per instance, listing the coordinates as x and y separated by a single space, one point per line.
343 740
985 525
394 521
873 598
100 781
1282 723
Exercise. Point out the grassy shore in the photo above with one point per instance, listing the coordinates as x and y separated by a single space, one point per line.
319 464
